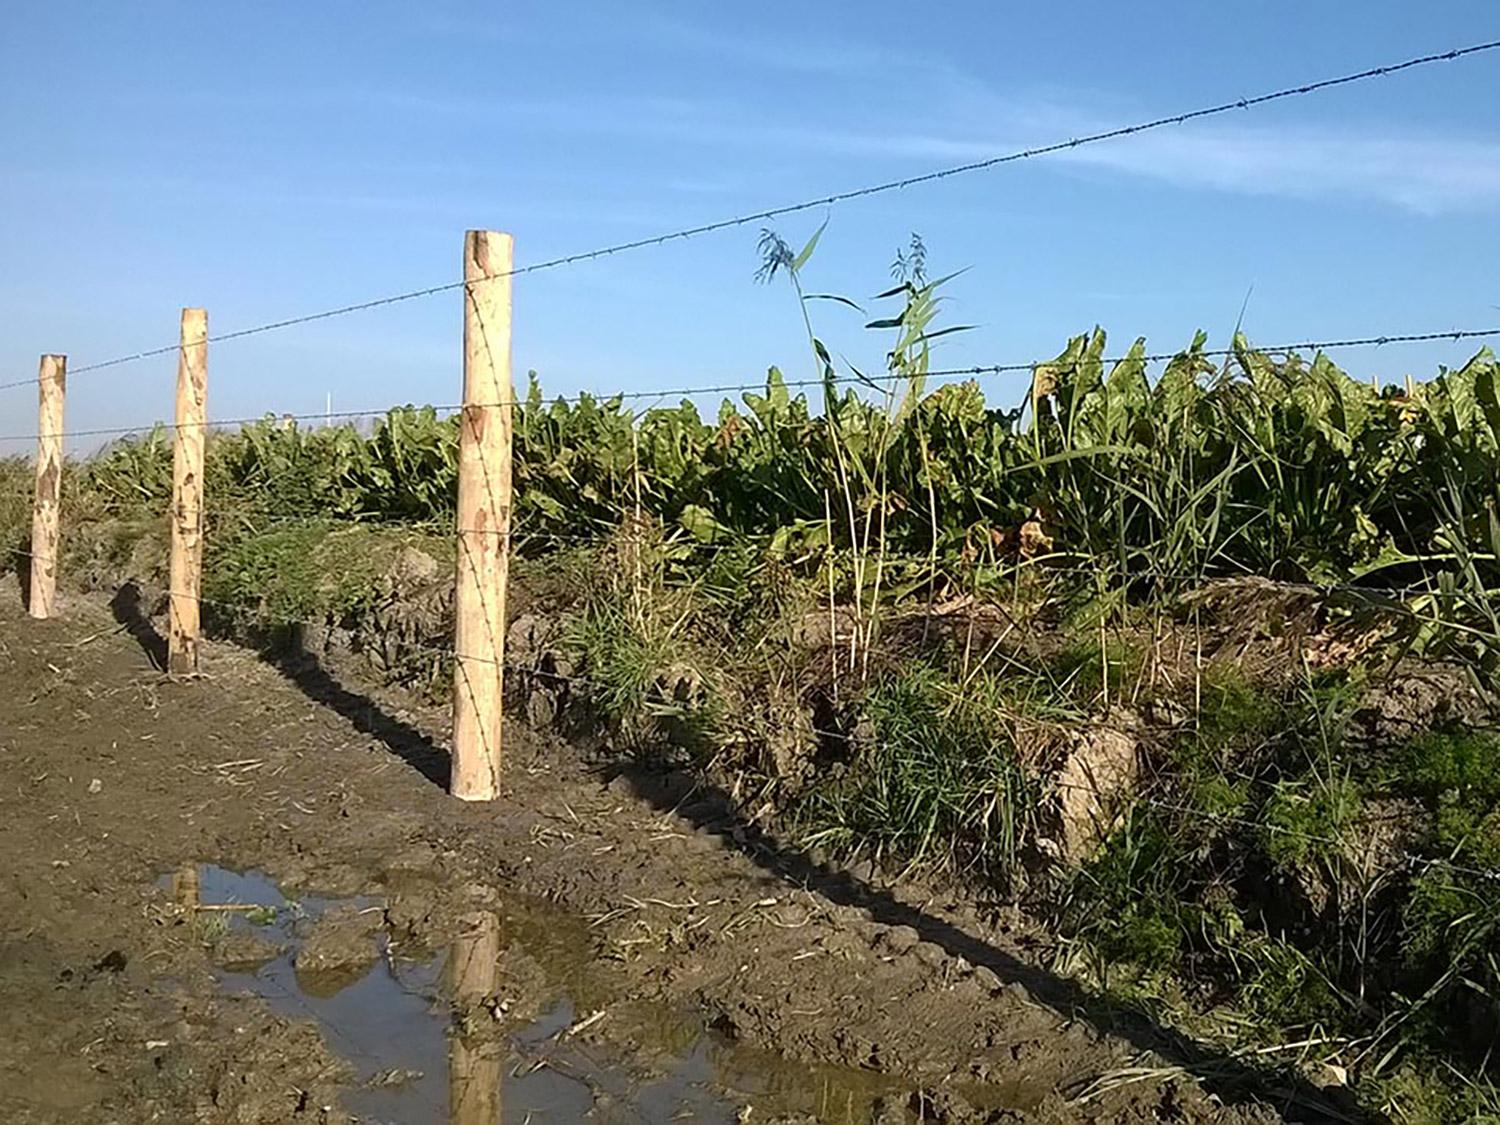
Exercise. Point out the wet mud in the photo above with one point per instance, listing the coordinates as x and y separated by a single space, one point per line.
490 1025
601 943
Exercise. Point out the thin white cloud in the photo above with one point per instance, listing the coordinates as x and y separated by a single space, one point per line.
1421 172
1424 173
1428 175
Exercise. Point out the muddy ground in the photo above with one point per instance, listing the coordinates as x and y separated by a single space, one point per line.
116 1003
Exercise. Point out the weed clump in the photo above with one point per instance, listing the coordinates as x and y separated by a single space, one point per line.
935 779
1304 820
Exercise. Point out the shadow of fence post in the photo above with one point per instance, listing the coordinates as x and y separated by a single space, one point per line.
1230 1079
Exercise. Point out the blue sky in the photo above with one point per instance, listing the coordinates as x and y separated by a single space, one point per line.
272 159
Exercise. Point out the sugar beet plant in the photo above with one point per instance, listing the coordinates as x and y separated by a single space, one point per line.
1265 464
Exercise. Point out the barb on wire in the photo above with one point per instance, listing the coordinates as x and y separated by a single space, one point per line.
825 200
975 371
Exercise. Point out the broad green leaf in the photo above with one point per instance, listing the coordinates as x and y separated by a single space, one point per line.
700 523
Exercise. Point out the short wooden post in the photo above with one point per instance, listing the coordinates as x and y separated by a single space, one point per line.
46 511
186 567
474 1065
484 501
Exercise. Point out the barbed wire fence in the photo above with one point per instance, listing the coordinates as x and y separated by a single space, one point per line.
482 528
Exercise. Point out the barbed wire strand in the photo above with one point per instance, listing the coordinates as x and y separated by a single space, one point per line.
821 201
791 384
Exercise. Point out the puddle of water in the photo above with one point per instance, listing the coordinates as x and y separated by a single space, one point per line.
400 1025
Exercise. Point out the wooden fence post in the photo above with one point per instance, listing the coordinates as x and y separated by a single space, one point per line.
186 568
484 448
46 511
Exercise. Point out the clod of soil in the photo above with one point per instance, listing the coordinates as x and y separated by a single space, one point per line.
1093 779
244 952
341 942
1412 701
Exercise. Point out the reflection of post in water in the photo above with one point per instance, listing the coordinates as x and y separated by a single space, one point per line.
187 887
474 1054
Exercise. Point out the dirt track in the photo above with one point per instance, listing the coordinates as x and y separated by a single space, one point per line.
111 776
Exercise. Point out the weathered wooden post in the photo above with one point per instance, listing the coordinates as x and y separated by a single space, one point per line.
484 502
186 567
46 511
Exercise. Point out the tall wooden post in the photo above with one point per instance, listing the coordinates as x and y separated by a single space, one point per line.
474 1066
186 568
46 511
484 501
